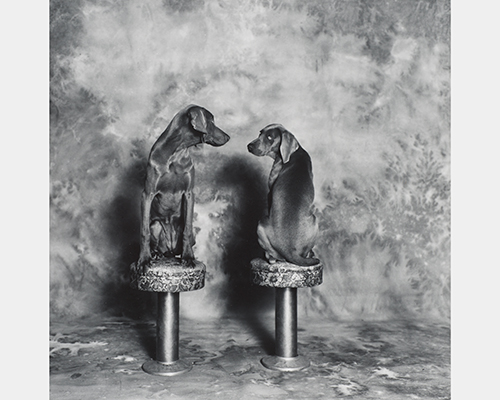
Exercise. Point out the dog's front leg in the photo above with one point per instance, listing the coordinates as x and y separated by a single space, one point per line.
187 234
147 197
145 254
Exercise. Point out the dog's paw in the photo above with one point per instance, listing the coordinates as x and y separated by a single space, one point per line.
156 255
188 260
143 265
187 253
270 258
311 254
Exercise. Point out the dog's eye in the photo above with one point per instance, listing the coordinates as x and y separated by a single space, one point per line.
269 137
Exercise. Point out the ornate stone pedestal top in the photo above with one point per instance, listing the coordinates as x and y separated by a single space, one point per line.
169 275
282 274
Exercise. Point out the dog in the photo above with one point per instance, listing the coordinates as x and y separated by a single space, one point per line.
167 200
289 230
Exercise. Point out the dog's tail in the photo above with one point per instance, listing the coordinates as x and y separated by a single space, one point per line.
302 261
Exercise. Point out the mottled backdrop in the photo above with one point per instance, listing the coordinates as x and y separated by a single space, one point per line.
363 84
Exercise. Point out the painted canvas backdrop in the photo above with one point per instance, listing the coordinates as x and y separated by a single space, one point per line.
363 85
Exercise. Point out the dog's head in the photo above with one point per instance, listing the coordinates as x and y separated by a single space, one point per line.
201 121
274 140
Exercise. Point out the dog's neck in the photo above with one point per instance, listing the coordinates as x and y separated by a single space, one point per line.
275 170
170 142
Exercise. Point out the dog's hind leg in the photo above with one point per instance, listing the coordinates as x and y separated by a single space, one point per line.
187 234
272 254
148 194
156 232
168 238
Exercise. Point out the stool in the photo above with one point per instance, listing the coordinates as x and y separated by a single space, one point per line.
168 277
285 278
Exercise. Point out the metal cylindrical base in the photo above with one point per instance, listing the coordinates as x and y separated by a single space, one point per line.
167 338
285 364
167 327
286 358
286 322
166 369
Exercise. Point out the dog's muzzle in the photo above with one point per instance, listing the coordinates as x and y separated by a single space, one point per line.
253 148
217 137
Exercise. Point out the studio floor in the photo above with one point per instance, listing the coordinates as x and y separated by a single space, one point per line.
102 359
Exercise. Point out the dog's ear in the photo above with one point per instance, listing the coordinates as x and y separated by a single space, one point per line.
288 145
198 119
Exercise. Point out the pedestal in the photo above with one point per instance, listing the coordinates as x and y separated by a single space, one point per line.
168 277
285 278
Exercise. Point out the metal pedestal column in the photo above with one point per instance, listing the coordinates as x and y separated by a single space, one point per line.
286 358
167 361
167 276
285 278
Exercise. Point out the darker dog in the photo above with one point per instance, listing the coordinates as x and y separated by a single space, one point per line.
167 200
289 231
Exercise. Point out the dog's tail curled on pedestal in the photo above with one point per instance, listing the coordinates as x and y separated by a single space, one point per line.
302 261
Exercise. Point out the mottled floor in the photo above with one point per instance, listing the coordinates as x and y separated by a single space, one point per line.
362 360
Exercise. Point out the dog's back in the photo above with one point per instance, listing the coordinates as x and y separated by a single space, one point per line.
291 198
289 230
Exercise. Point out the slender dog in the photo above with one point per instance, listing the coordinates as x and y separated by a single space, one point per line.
167 200
289 230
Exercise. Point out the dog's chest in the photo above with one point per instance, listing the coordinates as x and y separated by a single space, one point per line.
178 175
180 162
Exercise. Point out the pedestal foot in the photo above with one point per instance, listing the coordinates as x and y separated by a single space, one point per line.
285 363
285 278
166 369
168 277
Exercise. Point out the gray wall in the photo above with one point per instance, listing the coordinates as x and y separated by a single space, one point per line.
363 85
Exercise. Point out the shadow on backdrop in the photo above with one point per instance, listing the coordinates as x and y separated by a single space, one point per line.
246 186
122 225
245 301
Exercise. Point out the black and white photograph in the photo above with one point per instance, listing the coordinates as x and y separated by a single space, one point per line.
248 200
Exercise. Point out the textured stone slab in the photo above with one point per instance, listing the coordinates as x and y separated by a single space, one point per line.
282 274
398 360
169 275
